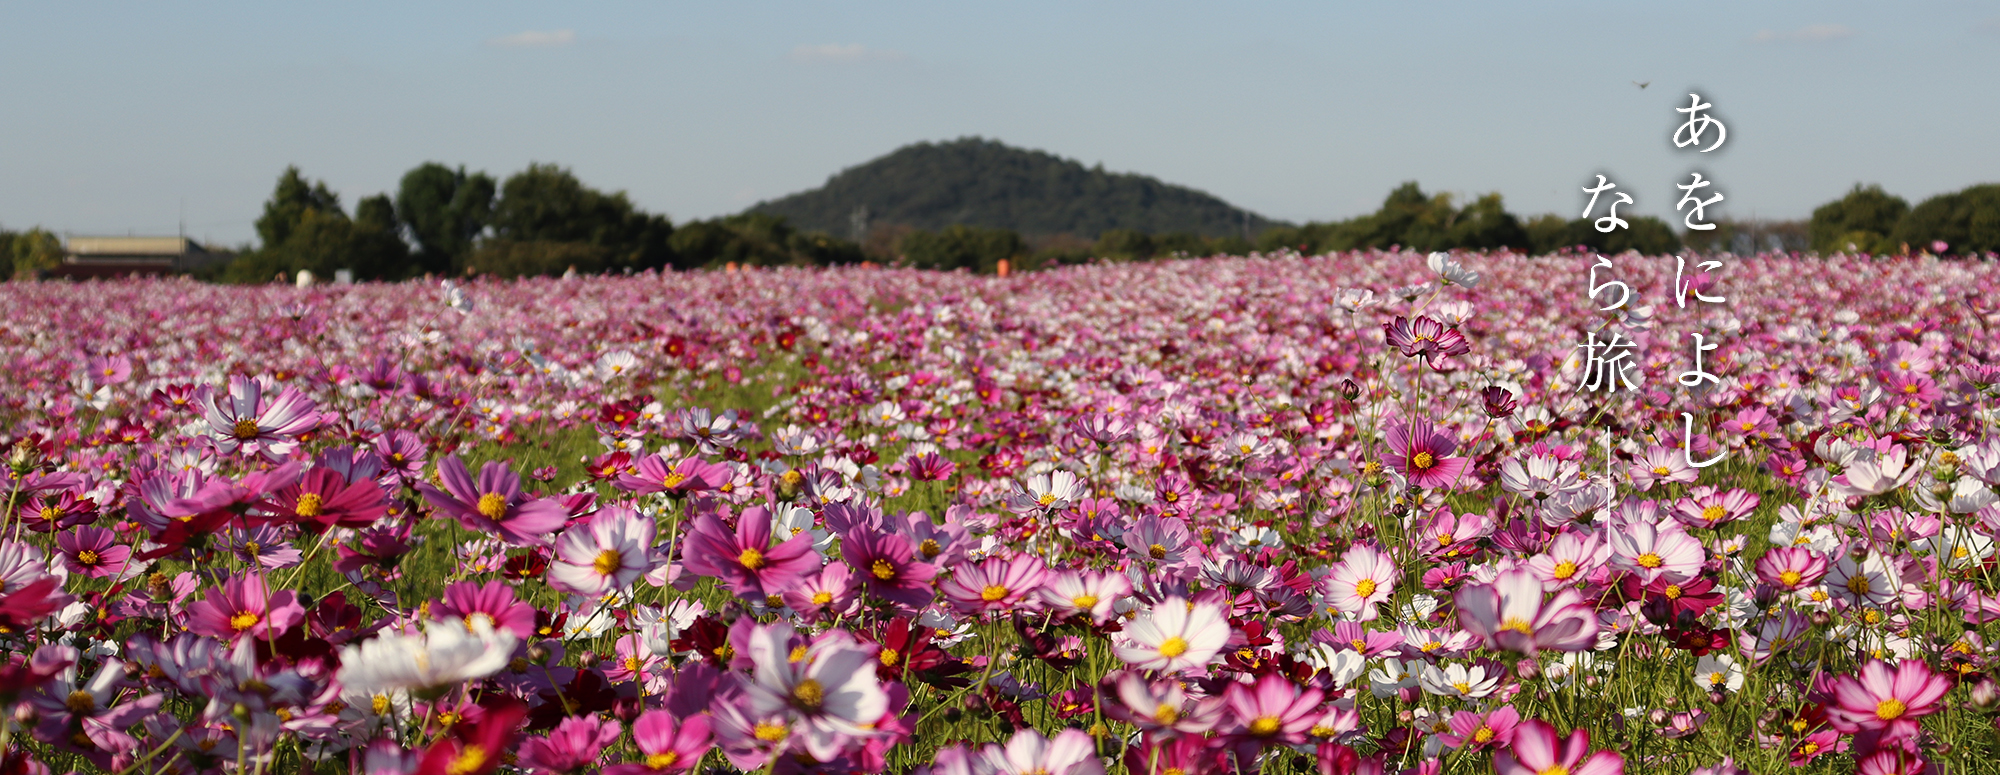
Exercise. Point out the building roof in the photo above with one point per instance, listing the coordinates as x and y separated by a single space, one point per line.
131 248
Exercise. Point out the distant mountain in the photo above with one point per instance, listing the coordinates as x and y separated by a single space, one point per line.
982 182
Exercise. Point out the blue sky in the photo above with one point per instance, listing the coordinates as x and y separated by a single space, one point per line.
123 117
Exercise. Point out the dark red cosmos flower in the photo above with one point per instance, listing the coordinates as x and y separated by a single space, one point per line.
908 647
1499 401
476 746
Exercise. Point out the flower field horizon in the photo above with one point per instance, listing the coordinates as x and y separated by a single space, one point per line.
1368 512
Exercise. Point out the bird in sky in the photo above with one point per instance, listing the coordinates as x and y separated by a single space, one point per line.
1642 84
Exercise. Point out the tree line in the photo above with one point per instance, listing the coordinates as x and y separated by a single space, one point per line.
445 221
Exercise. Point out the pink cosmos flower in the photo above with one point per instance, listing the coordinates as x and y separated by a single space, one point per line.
1538 750
323 499
242 607
1569 559
828 691
1086 595
1072 752
1363 578
1660 464
1791 567
1708 507
574 744
492 601
1161 707
494 504
1892 761
1887 700
246 419
996 585
1493 730
1422 454
1272 711
1161 540
832 592
669 744
1655 550
604 555
744 559
690 474
1511 615
1424 337
92 552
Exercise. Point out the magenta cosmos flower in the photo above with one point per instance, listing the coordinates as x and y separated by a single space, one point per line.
92 552
1272 711
494 504
1424 337
1537 750
1421 454
493 601
242 607
654 474
1511 615
1888 700
247 419
324 499
886 564
744 559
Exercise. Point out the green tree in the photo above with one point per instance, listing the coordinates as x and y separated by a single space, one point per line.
445 210
1485 225
1864 217
959 246
31 251
545 203
1124 243
1968 221
304 228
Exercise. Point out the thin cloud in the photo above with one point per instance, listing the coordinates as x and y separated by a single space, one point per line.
834 53
535 39
1808 33
1990 26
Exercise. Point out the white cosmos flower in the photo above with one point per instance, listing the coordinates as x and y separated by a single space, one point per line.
827 687
446 654
1718 672
1342 666
1451 271
1458 681
1385 681
1174 636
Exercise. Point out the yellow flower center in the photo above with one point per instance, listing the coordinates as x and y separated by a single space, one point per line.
1364 587
1713 513
822 597
1518 625
80 701
1791 578
245 429
883 570
1423 461
1084 601
468 761
1890 709
1673 592
1264 726
1650 560
673 479
662 760
770 733
1858 584
1660 471
1157 552
243 621
1554 769
929 548
809 694
1484 734
50 514
890 657
380 704
492 505
1462 687
309 504
751 558
992 592
607 562
1167 715
87 557
1173 647
1565 569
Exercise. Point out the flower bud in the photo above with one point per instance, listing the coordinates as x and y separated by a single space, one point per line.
1985 693
1349 390
1527 669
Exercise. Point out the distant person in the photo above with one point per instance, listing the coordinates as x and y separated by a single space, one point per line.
306 278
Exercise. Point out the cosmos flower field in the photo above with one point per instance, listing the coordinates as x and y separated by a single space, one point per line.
1353 513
